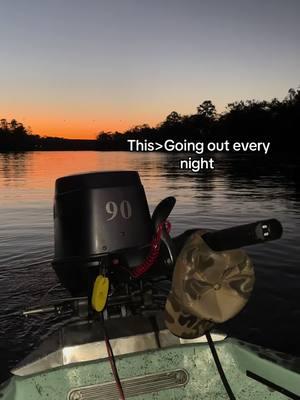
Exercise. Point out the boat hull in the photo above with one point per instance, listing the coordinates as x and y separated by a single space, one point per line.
155 376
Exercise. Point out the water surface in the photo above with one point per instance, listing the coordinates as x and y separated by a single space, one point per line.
241 189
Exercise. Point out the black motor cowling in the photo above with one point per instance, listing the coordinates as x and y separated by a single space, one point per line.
97 215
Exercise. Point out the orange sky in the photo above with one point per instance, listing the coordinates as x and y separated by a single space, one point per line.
82 129
75 129
74 126
84 120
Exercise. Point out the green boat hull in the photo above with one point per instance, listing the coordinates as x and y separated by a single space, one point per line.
197 376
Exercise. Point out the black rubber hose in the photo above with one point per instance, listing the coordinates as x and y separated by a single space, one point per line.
219 366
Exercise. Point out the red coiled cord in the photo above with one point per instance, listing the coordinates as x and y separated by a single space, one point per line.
154 251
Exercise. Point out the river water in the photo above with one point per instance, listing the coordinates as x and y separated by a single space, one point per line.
240 189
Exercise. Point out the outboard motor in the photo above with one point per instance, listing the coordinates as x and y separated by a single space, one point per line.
103 228
100 219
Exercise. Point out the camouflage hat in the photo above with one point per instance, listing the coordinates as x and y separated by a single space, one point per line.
208 287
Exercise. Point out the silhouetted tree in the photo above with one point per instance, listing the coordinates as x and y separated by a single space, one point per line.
207 109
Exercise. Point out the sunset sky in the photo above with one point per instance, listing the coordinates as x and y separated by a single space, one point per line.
73 68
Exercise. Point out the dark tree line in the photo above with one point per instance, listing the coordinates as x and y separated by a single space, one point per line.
251 120
15 137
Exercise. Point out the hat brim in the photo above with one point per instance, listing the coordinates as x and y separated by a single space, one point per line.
181 323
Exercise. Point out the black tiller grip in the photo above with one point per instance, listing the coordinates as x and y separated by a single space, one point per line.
244 235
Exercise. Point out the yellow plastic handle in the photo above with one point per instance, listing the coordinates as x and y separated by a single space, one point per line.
100 293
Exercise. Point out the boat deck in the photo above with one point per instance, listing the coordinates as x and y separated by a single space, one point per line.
175 373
